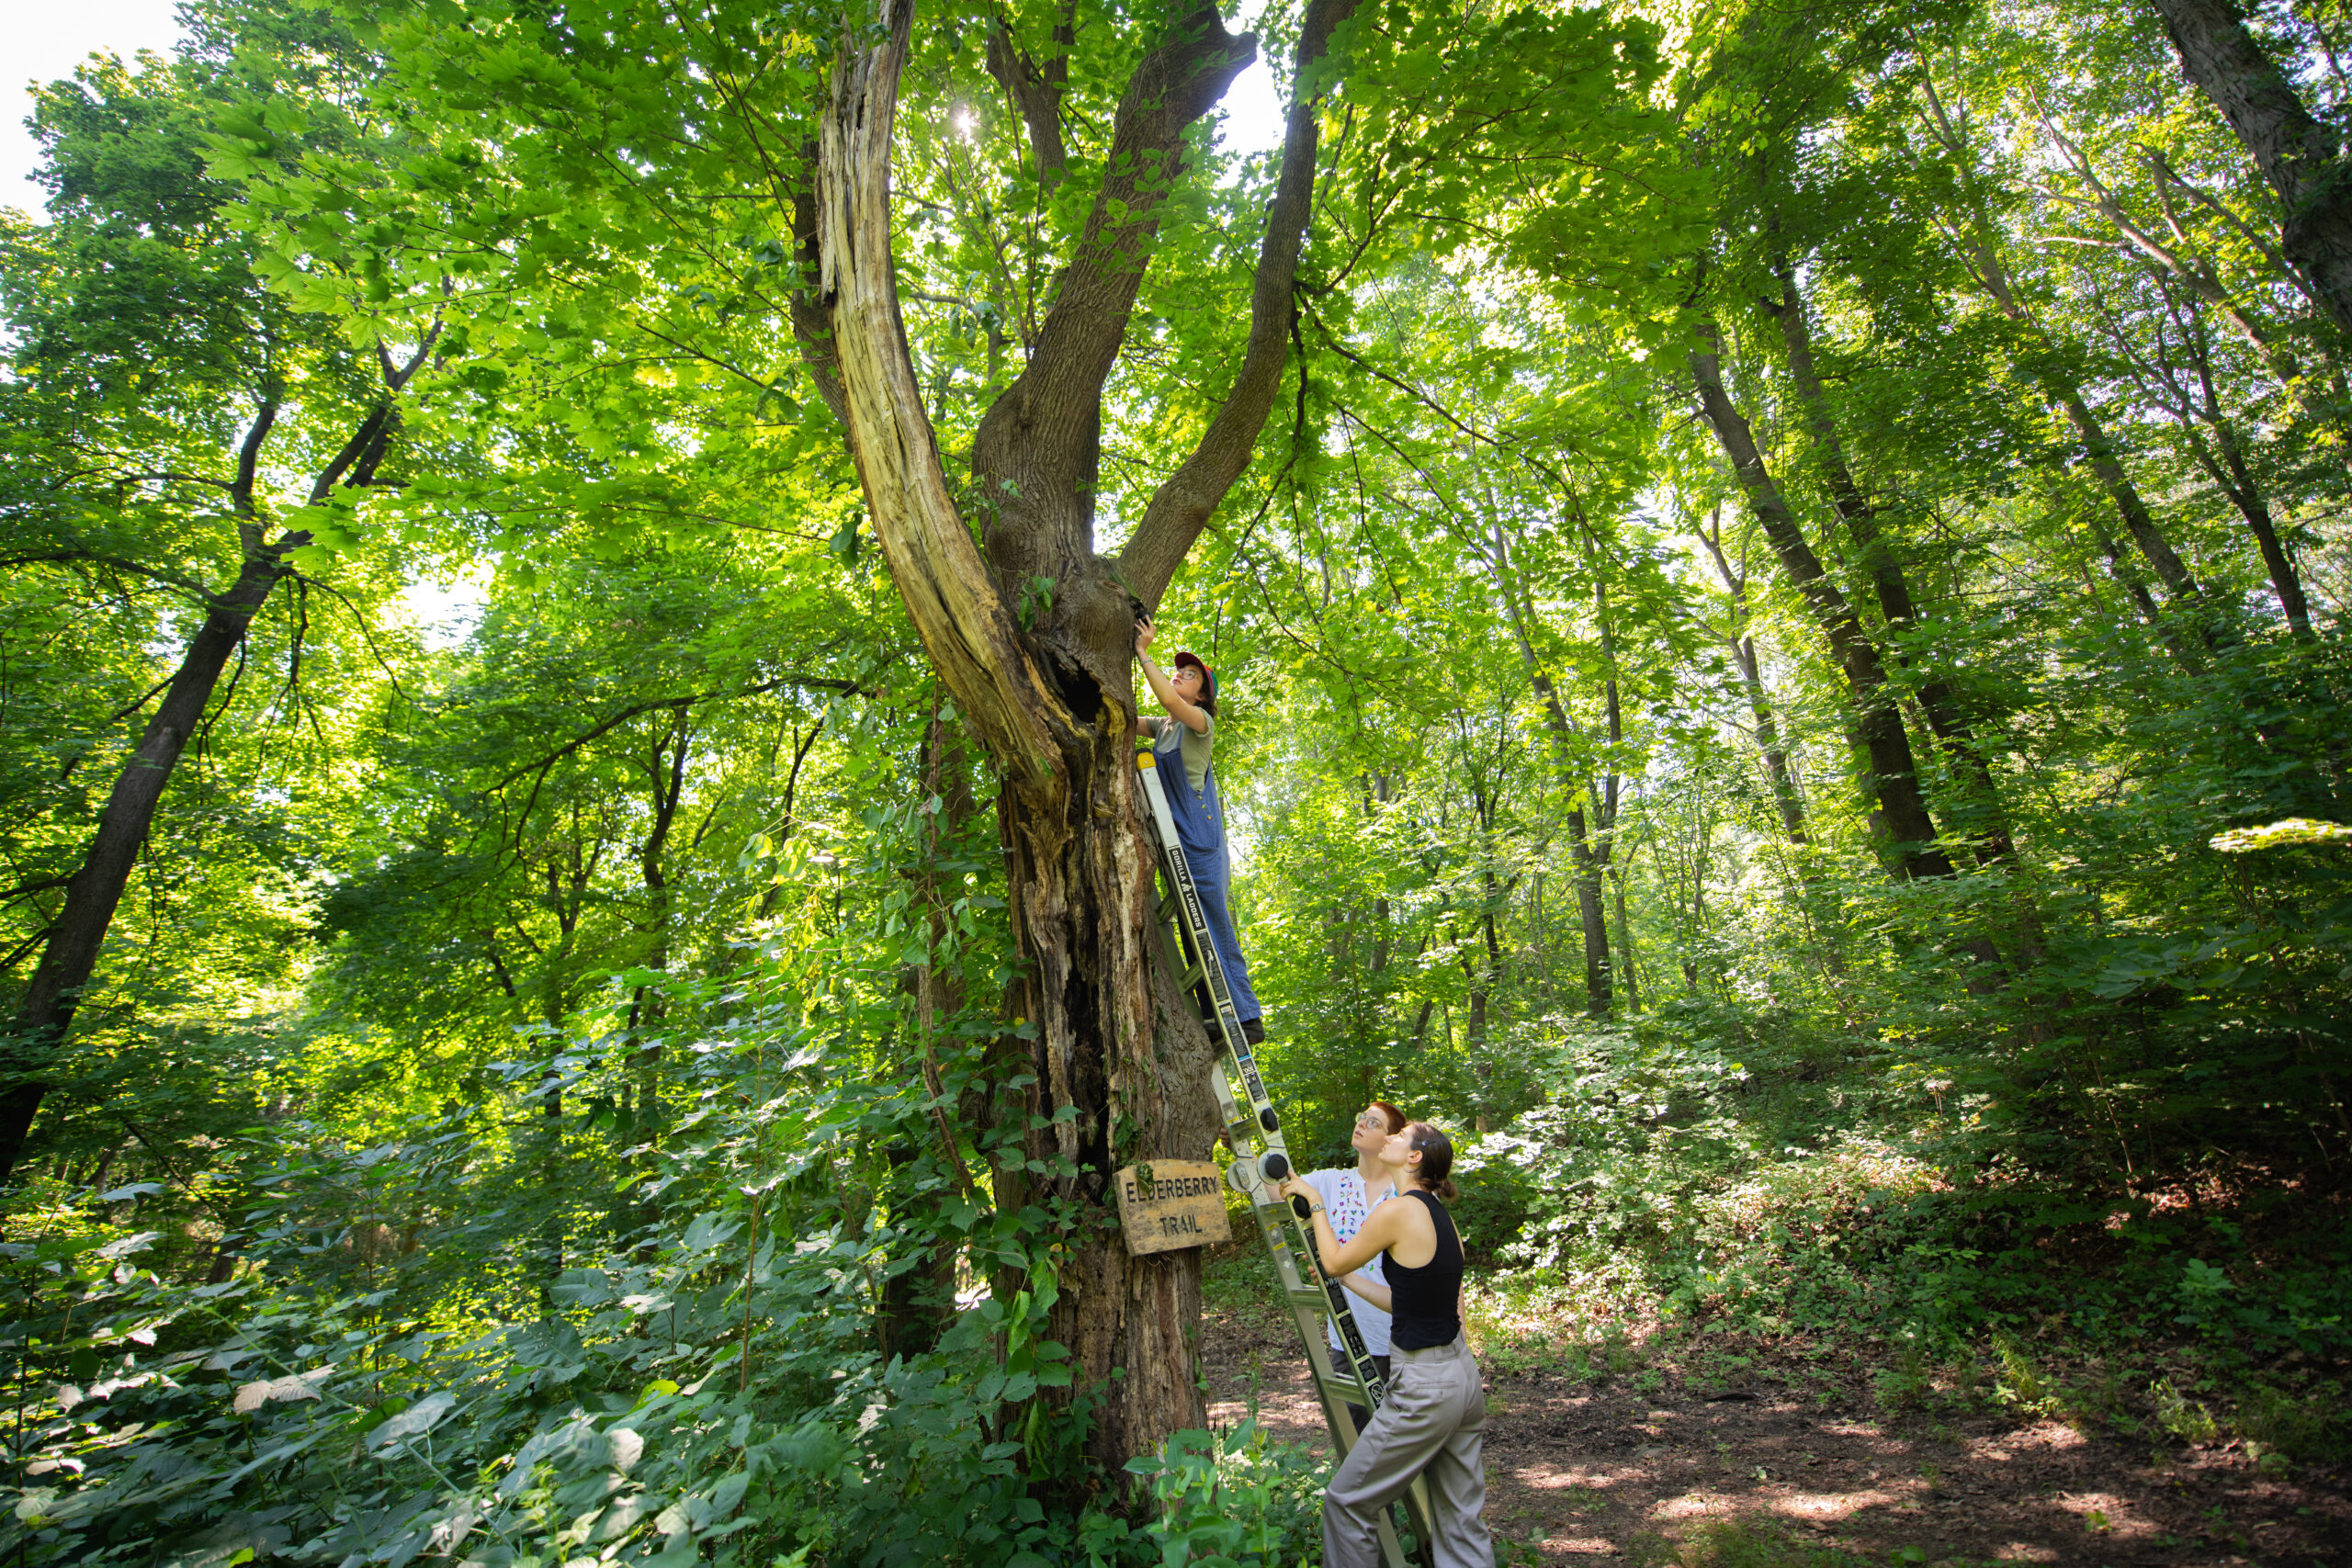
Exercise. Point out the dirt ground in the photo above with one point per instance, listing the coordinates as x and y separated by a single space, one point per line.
1792 1436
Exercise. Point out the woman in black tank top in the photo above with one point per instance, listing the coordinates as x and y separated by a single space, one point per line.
1433 1421
1426 1303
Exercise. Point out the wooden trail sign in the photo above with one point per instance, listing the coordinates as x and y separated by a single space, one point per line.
1172 1203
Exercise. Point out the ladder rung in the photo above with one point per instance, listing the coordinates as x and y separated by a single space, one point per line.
1271 1211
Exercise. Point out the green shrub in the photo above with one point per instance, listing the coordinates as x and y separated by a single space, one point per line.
2308 1425
1242 1501
1740 1544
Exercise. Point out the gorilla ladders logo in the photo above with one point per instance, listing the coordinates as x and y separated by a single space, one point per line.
1172 1203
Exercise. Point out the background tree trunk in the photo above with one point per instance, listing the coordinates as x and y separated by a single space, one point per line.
1894 776
2302 160
71 954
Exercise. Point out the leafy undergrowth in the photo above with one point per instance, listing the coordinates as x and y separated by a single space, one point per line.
1657 1201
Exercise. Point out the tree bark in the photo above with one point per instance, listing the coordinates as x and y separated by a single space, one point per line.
2297 155
1119 1062
46 1010
1894 778
1947 721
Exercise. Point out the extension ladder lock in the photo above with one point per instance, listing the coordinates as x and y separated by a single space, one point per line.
1261 1163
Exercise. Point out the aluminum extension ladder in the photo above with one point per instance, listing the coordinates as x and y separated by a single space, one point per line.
1261 1161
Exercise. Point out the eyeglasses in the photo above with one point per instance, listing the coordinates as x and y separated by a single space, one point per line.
1373 1120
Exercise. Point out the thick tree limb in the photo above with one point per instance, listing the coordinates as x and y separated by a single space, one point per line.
1181 507
959 613
1042 436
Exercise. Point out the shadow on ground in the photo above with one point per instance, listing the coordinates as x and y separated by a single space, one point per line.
1580 1469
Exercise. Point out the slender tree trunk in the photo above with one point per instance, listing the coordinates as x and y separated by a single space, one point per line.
1945 719
69 958
666 781
1600 987
2302 159
1777 773
1625 965
2225 463
1894 778
2139 522
1587 864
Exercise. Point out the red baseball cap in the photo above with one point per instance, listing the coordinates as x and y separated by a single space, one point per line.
1208 677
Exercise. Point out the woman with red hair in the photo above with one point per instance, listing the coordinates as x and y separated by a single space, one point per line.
1433 1422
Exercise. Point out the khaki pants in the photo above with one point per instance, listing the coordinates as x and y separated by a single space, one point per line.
1433 1422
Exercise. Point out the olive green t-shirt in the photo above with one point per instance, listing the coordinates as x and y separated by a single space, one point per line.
1196 745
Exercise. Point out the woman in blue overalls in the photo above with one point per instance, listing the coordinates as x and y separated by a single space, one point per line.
1180 751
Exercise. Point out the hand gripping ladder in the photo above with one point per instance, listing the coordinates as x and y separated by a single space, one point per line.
1260 1160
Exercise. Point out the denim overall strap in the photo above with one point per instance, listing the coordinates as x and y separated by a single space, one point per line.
1200 829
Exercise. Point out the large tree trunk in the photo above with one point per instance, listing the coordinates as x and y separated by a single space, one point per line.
2300 158
1894 776
1120 1063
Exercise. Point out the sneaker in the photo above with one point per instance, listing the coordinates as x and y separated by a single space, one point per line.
1253 1030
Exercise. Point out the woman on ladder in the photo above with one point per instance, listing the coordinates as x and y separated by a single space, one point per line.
1434 1421
1188 732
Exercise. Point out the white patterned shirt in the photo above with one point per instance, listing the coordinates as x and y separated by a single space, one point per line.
1344 1204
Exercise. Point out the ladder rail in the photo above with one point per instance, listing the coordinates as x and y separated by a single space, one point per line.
1323 1304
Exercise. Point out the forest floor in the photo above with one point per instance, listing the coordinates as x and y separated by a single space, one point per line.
1790 1440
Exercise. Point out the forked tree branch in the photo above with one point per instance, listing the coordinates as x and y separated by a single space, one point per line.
1055 405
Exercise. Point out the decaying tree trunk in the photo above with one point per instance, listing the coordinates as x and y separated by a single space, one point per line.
1121 1064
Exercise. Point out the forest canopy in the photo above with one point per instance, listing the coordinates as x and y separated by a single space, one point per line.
580 946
